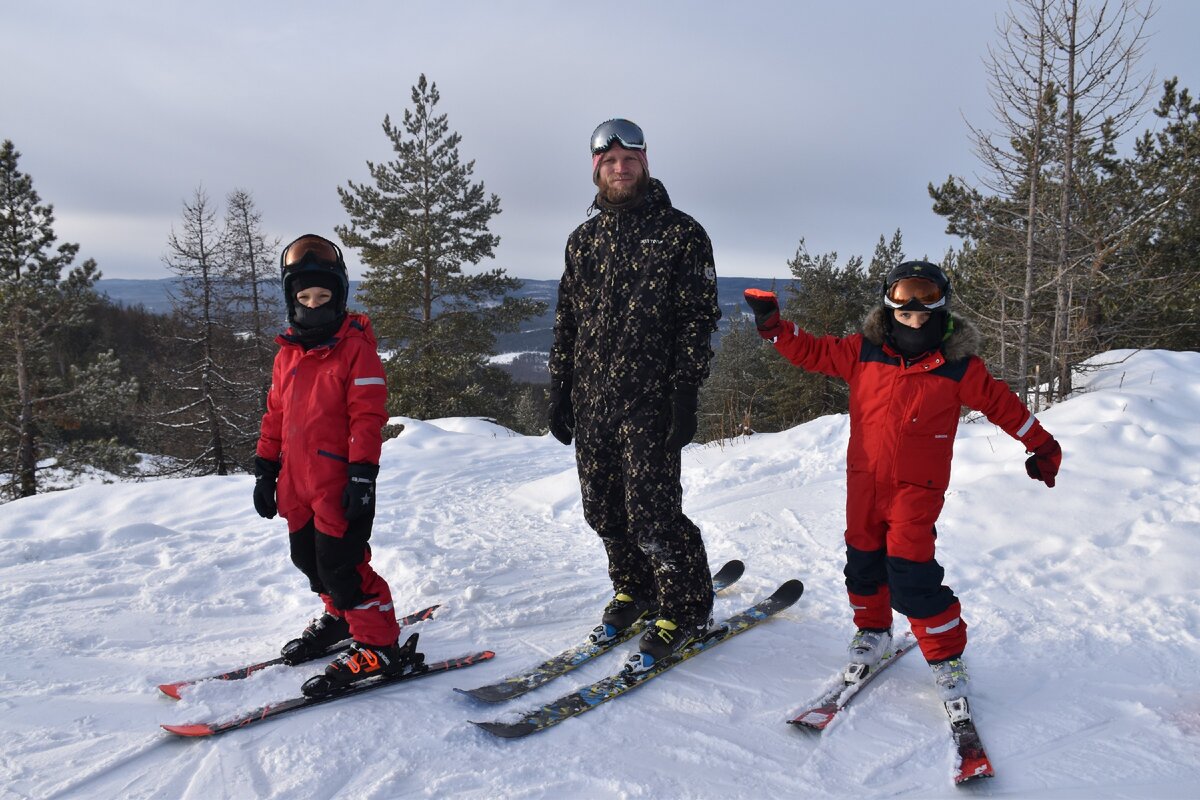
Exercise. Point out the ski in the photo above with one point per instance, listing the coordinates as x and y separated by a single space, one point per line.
272 710
172 689
522 682
588 697
973 762
820 712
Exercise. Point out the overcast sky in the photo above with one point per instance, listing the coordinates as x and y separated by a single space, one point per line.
767 121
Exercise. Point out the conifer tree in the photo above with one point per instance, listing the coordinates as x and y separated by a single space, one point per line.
418 222
253 275
824 298
212 416
43 401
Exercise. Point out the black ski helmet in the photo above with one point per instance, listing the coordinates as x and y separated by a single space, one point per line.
917 269
313 257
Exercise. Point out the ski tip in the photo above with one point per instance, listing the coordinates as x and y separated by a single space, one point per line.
483 695
421 615
974 769
814 721
171 690
506 730
730 572
199 729
789 592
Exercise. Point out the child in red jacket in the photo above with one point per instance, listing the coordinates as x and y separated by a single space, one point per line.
317 461
910 372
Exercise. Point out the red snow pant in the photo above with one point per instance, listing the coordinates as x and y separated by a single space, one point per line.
890 564
339 569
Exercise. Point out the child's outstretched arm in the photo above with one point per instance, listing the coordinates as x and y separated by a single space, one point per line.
983 392
828 355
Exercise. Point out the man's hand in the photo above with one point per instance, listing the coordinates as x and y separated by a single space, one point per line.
560 414
684 401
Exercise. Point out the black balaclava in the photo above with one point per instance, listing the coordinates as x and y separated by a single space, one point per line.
915 342
315 325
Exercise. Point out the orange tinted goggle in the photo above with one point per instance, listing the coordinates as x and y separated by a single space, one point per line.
311 248
915 294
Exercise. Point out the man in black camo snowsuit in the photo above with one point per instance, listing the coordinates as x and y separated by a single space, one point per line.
637 305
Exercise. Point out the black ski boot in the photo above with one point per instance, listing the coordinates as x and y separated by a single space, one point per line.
663 639
318 638
364 661
621 612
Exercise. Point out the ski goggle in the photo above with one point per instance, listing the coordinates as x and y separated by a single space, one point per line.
309 249
620 131
914 294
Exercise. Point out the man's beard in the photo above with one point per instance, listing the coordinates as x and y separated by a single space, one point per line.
619 195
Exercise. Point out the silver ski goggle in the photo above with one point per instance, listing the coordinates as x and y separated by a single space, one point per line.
617 131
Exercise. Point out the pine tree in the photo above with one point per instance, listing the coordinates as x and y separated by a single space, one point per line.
823 299
1065 87
254 283
734 400
417 225
213 418
44 402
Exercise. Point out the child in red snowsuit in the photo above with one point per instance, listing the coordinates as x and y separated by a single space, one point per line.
318 458
910 372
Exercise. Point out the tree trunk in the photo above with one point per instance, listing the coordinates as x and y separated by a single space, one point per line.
1062 313
1034 173
26 438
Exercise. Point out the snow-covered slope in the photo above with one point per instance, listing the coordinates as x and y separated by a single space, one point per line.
1082 601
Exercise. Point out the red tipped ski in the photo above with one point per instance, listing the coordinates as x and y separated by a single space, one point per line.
172 689
973 761
201 729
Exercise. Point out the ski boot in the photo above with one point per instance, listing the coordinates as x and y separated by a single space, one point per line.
951 679
621 612
364 661
317 639
661 640
867 649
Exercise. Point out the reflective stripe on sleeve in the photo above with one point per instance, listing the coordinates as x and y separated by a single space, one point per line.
1024 429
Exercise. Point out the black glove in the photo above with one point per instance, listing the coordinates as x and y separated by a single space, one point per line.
766 312
684 401
266 473
560 414
1044 463
358 498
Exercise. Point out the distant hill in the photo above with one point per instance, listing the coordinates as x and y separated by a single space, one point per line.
536 335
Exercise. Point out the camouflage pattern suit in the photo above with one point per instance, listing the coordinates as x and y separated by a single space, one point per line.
637 305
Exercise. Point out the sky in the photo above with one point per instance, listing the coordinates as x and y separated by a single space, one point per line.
771 123
1082 604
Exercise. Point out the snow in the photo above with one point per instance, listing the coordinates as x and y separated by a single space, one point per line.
1082 602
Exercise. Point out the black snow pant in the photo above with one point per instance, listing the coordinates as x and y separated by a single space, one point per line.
633 499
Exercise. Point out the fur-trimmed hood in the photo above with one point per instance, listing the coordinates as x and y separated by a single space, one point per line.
963 340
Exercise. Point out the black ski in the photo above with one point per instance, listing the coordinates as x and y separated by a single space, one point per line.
243 719
172 689
522 682
588 697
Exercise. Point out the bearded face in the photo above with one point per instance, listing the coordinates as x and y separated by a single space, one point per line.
621 175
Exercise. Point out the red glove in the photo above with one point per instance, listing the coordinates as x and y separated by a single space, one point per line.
766 312
1043 464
